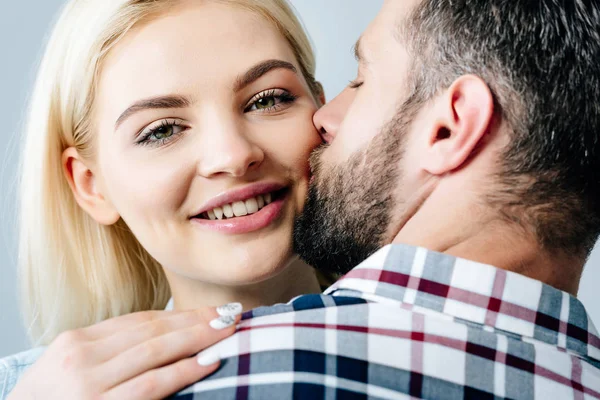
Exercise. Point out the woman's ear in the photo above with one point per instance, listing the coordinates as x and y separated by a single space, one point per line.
464 116
321 94
84 186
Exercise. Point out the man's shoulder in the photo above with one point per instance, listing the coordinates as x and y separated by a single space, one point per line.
385 350
13 367
303 303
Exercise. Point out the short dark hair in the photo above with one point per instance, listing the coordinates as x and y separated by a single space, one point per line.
541 60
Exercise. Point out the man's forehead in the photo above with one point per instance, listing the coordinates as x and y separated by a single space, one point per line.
383 29
393 15
398 8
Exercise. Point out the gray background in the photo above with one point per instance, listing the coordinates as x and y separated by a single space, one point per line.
334 26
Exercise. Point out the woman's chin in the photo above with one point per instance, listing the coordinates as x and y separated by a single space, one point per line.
237 265
257 270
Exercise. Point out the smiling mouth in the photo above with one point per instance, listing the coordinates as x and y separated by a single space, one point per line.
241 208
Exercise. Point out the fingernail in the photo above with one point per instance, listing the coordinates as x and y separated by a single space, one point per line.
208 358
222 322
230 310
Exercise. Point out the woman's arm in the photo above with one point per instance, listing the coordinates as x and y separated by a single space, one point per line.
6 380
147 355
12 367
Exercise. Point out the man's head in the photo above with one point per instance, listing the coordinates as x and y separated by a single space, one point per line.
465 115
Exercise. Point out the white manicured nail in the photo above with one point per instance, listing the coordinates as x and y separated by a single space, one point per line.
222 322
206 359
230 310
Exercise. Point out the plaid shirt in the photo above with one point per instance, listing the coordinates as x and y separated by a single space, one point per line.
411 323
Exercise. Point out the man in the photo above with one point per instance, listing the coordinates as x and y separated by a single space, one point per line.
469 140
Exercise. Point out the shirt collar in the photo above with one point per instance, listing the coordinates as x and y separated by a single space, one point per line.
477 293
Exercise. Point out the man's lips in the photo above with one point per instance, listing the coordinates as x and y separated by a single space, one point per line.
239 195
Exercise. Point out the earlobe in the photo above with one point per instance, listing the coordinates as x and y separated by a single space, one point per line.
83 184
465 115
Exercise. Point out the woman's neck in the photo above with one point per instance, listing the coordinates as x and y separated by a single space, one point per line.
297 279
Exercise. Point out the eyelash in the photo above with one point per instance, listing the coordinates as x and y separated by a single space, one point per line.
355 84
172 123
282 95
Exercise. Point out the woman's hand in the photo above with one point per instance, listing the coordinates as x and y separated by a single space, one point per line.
146 355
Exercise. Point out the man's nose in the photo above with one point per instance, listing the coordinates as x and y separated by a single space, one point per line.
329 118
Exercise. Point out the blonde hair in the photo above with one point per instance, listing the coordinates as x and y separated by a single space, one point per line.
75 272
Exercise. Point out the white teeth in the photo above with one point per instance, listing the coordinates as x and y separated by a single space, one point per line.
218 212
239 209
251 206
228 210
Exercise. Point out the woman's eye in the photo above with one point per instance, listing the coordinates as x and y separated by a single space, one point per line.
271 100
166 131
266 102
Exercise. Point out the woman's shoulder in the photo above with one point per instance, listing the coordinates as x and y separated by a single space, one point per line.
12 367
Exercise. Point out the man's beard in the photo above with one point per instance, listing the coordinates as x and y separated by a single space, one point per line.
349 207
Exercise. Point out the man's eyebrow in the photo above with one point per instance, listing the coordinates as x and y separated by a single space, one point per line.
358 53
153 103
259 70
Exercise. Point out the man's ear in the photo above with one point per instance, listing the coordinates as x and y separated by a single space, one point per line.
84 186
465 114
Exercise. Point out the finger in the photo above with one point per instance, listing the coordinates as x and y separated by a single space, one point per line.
135 335
114 336
116 324
130 321
162 382
163 350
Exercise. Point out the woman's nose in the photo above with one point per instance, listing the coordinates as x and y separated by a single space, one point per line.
229 152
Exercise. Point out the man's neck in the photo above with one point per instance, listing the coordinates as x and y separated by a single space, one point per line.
511 251
465 228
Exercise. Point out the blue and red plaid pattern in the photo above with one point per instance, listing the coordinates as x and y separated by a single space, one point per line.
411 323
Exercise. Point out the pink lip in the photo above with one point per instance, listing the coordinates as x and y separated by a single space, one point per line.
250 223
242 194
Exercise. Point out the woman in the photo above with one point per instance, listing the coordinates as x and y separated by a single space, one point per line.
166 156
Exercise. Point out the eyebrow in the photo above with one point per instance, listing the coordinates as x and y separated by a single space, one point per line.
161 102
359 54
165 102
357 51
259 70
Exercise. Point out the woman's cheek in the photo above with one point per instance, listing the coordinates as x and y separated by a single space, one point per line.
148 187
307 138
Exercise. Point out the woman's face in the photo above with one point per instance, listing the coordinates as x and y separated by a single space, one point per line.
204 125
